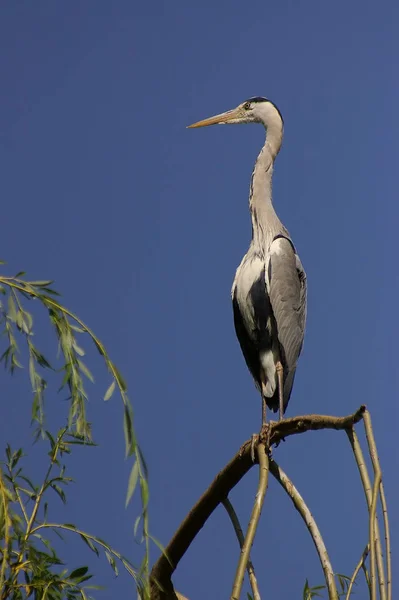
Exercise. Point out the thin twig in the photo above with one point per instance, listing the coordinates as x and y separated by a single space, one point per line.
377 484
387 541
372 534
240 536
307 516
367 578
356 571
7 526
129 568
253 523
368 492
18 495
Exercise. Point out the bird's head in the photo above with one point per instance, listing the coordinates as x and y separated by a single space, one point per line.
253 110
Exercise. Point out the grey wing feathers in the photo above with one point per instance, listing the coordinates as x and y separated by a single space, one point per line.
287 291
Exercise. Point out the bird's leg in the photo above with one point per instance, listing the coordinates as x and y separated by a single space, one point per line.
263 396
280 379
264 408
254 437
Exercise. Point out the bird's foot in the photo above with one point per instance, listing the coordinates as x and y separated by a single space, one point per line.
254 442
244 447
265 434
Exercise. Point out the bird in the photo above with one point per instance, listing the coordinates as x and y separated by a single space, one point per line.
269 292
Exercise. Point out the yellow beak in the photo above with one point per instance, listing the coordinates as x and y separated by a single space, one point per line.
225 117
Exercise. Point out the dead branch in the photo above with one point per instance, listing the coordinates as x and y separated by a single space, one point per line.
224 482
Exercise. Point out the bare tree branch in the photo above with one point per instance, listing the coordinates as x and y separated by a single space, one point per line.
387 541
377 488
364 476
240 536
219 489
263 460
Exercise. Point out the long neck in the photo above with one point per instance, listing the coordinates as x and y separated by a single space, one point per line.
265 222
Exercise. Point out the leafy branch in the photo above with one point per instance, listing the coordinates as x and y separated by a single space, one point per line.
14 320
25 567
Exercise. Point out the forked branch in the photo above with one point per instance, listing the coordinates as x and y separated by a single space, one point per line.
225 481
359 565
371 493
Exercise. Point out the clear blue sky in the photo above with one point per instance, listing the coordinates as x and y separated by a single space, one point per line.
142 223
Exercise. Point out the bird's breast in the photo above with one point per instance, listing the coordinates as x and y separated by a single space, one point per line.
250 293
251 269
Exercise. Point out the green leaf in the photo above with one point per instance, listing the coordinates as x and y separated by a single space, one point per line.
85 371
162 549
89 543
112 562
28 481
47 544
99 347
78 573
41 283
32 374
110 391
119 378
136 525
59 491
15 458
144 492
51 439
132 482
29 319
130 442
12 312
78 349
43 362
48 291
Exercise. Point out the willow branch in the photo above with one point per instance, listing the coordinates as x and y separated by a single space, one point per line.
240 536
377 488
6 528
372 534
367 578
356 571
307 516
253 523
387 541
222 485
364 476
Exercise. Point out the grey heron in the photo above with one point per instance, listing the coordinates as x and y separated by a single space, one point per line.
269 288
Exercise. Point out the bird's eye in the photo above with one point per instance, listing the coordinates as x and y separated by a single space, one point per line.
247 106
